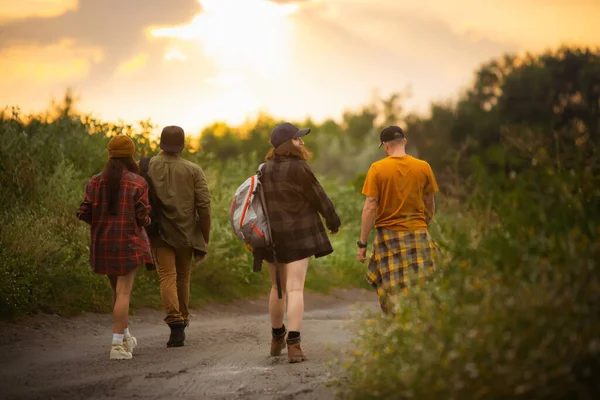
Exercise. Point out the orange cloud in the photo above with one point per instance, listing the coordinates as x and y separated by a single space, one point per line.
59 62
134 64
532 24
35 8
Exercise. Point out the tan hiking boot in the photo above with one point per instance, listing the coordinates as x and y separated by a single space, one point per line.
295 353
277 344
118 352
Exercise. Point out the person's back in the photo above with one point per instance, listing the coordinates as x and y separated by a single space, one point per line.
109 251
115 205
294 201
184 203
400 183
173 181
400 204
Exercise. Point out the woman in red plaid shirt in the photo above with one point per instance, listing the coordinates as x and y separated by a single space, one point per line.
117 209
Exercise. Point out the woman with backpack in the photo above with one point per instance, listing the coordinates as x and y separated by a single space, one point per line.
116 207
294 199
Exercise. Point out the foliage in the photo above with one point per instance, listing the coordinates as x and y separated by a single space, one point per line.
45 162
514 310
557 92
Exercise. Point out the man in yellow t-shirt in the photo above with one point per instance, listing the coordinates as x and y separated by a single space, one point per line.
400 204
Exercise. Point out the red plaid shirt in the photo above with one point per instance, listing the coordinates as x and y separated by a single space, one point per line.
119 242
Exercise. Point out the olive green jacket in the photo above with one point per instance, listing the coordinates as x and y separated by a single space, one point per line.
181 187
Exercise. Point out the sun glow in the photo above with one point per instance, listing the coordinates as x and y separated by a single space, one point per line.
175 54
239 35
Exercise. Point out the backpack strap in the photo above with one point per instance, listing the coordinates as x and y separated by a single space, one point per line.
260 170
259 173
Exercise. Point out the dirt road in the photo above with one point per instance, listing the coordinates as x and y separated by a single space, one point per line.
225 357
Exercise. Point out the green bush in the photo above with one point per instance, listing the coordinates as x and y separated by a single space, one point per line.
46 267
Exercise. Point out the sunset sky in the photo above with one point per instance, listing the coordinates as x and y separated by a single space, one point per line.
193 62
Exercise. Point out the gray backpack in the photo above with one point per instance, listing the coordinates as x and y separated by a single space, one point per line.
250 221
248 214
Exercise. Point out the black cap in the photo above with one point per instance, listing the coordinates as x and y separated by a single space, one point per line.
392 132
284 132
172 139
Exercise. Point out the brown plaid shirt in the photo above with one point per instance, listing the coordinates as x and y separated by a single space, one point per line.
294 199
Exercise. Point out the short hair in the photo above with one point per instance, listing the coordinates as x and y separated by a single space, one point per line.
396 142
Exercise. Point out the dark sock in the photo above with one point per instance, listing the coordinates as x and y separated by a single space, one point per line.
293 335
279 331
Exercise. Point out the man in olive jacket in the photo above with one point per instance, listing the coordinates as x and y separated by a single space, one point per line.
184 203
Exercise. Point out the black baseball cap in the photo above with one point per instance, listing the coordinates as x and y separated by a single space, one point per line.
392 132
172 139
284 132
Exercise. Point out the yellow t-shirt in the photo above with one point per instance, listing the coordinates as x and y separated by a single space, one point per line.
399 184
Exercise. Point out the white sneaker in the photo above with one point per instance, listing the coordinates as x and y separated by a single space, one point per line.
129 342
118 352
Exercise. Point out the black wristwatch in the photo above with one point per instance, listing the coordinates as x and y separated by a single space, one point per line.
361 245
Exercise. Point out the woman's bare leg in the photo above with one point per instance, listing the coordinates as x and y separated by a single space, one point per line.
276 305
296 275
121 303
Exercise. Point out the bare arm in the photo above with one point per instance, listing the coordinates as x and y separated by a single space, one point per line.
429 207
368 218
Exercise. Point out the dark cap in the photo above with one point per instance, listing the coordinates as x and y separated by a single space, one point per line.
284 132
172 139
392 132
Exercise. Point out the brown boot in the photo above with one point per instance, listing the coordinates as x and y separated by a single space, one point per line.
278 343
295 353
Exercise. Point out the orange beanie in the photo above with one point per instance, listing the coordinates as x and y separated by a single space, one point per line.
121 146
